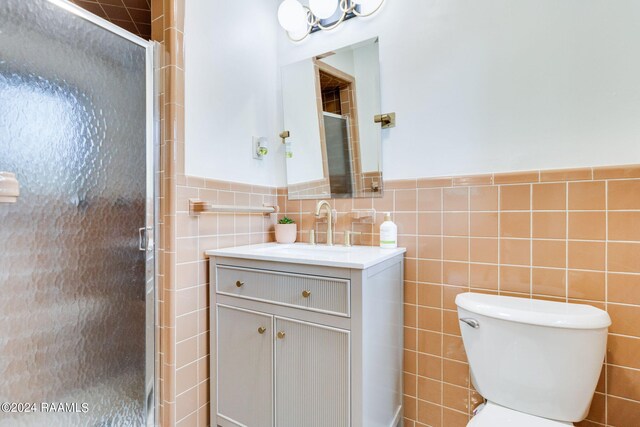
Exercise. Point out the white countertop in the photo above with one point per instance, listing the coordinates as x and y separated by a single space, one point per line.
357 257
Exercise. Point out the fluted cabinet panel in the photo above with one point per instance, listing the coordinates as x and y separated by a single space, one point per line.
311 375
72 127
244 367
324 294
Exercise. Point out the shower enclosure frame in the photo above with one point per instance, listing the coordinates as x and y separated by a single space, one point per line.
151 229
352 179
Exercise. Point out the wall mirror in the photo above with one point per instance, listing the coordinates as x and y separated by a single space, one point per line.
329 104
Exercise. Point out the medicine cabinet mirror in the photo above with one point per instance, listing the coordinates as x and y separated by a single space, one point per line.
329 103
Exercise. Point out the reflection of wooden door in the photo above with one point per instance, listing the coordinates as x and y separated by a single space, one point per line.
336 95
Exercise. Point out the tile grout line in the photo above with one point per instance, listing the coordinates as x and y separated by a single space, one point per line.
530 240
442 210
606 297
197 316
135 24
469 403
499 239
566 240
103 11
415 296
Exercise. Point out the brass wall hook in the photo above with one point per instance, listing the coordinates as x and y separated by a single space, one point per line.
387 120
284 135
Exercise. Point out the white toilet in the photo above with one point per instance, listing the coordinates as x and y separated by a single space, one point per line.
536 362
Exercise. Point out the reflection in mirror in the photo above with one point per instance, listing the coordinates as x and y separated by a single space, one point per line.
329 104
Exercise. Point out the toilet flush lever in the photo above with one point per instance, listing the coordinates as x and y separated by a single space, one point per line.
471 322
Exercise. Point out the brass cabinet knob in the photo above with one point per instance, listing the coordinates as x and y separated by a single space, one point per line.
262 330
239 284
281 335
306 294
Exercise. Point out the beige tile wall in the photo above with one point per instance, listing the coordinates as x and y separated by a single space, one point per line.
132 15
566 235
194 235
310 189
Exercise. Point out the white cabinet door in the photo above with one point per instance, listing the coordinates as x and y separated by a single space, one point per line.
312 375
244 367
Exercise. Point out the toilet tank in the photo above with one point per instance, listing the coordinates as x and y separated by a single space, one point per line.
539 357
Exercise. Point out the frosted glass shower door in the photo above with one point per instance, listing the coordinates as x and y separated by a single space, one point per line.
73 297
339 155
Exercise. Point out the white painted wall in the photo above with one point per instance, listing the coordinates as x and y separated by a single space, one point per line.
367 73
478 85
342 60
232 91
500 85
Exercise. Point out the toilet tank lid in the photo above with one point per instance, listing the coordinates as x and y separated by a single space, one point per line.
535 312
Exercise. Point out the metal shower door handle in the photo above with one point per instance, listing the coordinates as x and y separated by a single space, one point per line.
144 242
471 322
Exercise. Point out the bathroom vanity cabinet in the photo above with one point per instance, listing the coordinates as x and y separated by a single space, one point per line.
306 340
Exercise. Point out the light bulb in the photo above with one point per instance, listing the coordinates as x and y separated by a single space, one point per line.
323 9
298 35
292 16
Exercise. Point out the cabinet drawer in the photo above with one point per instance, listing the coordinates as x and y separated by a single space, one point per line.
323 294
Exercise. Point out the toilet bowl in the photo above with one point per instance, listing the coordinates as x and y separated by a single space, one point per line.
492 415
522 354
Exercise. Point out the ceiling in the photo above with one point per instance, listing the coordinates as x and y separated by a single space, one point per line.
132 15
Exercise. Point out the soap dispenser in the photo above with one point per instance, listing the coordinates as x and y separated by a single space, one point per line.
388 233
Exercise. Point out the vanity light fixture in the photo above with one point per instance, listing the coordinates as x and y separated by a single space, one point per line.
299 20
9 187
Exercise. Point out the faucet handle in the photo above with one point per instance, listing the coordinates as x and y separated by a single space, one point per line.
347 236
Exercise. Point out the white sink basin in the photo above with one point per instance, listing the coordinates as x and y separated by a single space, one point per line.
358 257
300 249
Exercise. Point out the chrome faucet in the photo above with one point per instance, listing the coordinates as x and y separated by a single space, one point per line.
324 204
